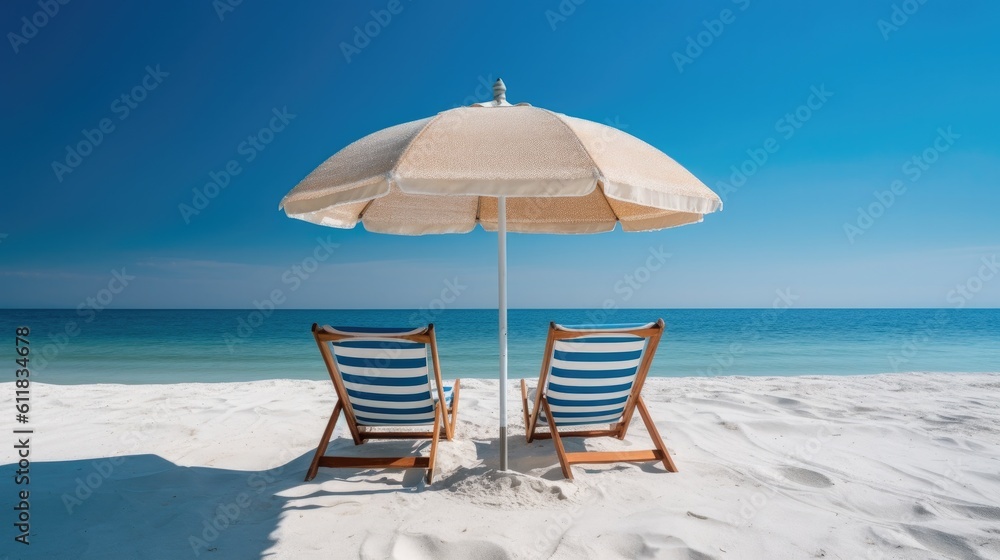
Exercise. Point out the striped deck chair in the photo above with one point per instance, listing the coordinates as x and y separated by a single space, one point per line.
382 380
594 375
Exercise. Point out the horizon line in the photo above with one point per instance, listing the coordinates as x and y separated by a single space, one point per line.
490 308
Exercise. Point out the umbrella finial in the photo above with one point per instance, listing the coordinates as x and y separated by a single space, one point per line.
499 96
499 92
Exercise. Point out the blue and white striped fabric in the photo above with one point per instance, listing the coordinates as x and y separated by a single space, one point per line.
591 377
387 379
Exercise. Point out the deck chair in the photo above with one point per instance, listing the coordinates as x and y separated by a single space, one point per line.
594 375
383 384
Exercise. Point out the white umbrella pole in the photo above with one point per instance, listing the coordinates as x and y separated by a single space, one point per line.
502 270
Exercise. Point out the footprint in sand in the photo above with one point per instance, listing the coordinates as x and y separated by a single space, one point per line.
730 425
920 511
807 477
542 488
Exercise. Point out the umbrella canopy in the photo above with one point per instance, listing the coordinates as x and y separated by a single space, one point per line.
446 173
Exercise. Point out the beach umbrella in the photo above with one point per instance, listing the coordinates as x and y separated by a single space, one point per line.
508 168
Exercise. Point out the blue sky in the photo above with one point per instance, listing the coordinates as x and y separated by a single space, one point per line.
922 84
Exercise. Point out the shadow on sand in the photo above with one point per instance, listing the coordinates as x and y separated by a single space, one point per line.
144 506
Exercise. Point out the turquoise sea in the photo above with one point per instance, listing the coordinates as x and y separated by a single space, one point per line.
174 346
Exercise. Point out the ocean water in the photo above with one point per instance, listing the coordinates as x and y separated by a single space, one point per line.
174 346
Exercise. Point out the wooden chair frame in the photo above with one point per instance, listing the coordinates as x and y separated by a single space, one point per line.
618 430
445 417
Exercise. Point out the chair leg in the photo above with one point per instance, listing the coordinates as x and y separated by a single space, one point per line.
450 426
439 411
323 442
668 461
524 408
557 440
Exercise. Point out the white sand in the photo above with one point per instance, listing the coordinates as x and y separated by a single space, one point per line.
891 466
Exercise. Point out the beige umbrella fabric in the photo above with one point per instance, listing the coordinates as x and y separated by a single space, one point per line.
503 166
443 175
